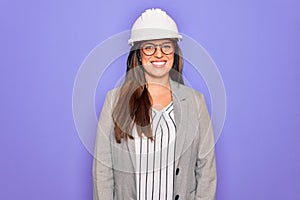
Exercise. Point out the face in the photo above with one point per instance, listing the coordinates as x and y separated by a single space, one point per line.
157 57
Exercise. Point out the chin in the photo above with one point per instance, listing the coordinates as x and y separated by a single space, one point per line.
154 75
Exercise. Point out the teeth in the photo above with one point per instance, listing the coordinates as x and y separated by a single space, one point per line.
158 63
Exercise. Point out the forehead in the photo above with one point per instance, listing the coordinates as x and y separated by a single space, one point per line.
160 41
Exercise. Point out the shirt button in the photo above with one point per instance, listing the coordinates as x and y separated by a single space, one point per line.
177 171
177 197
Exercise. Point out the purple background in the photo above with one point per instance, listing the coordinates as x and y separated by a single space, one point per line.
255 45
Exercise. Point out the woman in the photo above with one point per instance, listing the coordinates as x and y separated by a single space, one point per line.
155 139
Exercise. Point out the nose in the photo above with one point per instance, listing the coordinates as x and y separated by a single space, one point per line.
158 52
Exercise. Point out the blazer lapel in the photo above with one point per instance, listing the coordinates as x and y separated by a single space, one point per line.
180 115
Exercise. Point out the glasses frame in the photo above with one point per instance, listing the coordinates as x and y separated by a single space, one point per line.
160 46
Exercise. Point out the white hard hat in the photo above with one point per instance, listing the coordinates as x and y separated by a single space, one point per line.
153 24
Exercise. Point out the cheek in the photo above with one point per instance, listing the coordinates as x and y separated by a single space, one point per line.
144 60
171 60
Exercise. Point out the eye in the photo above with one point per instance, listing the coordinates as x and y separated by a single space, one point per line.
148 47
167 46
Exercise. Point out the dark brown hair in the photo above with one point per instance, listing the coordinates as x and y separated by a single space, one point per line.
133 104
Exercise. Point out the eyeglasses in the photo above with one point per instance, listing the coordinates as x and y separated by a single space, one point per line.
149 48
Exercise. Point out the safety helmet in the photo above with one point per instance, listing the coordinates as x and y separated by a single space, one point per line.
153 24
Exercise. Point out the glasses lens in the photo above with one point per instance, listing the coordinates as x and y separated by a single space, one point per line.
167 48
148 49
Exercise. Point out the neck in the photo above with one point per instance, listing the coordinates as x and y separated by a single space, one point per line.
158 82
158 87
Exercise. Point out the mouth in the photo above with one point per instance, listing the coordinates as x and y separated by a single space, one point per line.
158 63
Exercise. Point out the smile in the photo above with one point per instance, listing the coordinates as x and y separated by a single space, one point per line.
159 63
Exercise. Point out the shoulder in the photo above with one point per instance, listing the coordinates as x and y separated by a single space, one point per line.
110 98
190 90
183 91
112 93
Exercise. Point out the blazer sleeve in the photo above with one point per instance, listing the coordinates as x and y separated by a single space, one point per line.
103 181
205 165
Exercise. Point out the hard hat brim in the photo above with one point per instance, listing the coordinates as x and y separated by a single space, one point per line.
152 34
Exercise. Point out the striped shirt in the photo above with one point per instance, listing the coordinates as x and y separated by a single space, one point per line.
155 160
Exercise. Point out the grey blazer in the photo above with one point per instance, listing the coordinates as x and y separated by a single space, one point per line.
195 166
